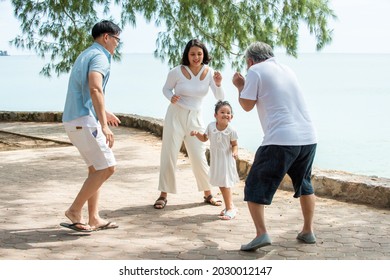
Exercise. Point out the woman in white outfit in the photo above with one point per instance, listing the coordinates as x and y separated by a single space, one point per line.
185 87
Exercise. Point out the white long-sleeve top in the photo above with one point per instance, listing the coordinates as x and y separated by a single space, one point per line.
191 91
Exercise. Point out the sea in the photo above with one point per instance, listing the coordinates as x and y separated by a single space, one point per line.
348 96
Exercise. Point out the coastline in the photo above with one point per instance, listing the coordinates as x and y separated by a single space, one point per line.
338 185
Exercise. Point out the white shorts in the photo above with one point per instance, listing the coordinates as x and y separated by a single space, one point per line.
91 143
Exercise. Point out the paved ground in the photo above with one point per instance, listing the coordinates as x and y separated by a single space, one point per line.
38 184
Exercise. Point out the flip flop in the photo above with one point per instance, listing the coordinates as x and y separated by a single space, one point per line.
109 225
75 227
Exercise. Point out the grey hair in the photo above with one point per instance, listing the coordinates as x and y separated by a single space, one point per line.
259 51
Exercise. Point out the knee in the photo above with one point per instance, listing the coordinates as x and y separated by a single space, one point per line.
110 170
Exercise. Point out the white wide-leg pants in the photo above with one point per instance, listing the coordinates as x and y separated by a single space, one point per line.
178 124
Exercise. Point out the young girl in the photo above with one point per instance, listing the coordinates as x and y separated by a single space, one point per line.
223 155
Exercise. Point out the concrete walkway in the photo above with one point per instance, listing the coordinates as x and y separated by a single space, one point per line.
37 185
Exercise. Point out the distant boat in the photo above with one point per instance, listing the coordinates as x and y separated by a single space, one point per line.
3 53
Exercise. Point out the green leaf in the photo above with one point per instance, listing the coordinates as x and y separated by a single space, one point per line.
60 29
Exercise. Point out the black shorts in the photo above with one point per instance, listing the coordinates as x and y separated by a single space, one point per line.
271 164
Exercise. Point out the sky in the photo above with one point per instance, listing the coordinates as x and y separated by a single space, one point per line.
362 27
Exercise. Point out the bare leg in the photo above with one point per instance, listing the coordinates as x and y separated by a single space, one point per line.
164 194
307 206
262 239
257 213
207 193
98 178
93 210
227 198
88 190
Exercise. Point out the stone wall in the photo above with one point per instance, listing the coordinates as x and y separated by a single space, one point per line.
338 185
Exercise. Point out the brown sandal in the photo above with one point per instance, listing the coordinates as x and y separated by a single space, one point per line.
160 203
210 200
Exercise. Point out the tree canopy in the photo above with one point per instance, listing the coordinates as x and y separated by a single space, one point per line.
60 29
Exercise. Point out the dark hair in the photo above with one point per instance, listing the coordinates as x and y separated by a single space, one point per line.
259 52
195 43
105 26
222 103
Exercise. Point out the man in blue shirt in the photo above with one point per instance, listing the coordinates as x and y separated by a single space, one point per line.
86 122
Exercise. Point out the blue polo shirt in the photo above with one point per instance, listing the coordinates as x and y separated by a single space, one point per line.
78 99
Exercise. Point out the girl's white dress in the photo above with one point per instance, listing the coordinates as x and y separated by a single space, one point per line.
223 169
